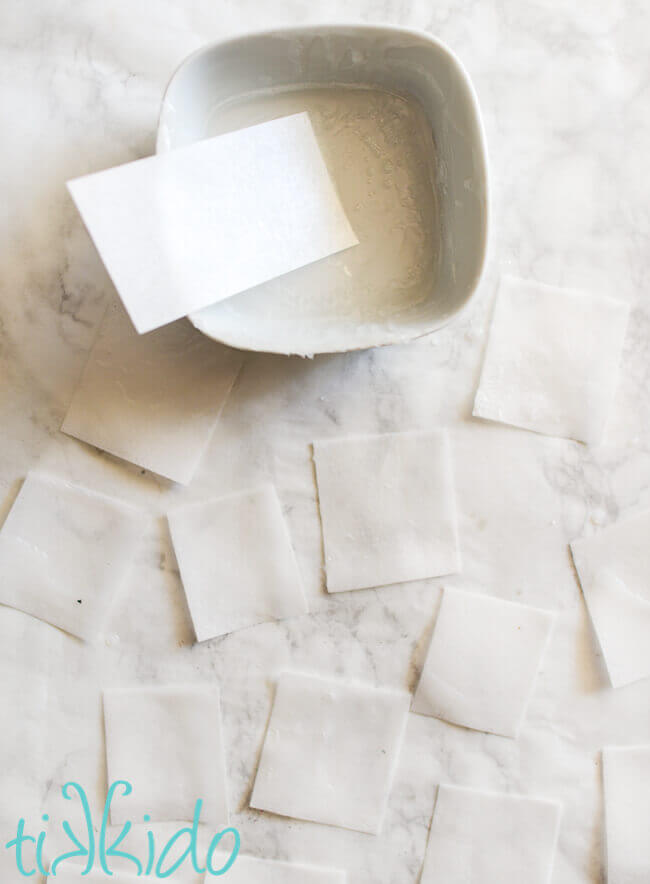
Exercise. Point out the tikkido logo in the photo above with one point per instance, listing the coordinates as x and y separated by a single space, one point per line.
92 845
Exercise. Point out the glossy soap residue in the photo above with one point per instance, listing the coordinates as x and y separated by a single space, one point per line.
380 153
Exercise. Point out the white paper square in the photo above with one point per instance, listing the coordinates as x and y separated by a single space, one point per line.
626 778
552 360
185 229
614 571
251 870
510 513
482 662
152 399
236 561
166 742
387 509
488 838
64 552
330 751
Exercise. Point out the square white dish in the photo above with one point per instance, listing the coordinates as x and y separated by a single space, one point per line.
398 123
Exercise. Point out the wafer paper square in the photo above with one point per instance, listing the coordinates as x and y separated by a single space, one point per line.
552 360
482 662
330 751
167 743
64 552
236 562
387 509
488 838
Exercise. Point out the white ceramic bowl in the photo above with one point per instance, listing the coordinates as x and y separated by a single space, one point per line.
304 313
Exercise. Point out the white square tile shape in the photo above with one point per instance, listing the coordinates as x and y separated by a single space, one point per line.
552 360
387 509
626 778
482 662
252 870
236 562
153 399
488 838
614 571
516 549
330 751
167 743
64 552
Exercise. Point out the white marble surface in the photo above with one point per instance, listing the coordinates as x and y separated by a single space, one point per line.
564 91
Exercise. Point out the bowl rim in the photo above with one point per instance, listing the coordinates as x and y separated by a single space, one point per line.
378 28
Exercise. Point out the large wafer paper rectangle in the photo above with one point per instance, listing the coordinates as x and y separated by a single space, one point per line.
188 228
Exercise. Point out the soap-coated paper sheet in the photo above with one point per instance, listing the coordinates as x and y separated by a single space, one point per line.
489 838
552 360
153 399
626 779
186 229
482 662
614 571
387 508
64 553
330 751
167 742
236 561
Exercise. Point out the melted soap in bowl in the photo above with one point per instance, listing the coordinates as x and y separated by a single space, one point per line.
379 151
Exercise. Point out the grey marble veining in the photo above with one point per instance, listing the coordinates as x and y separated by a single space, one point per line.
563 90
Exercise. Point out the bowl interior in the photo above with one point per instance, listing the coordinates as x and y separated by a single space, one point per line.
399 127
